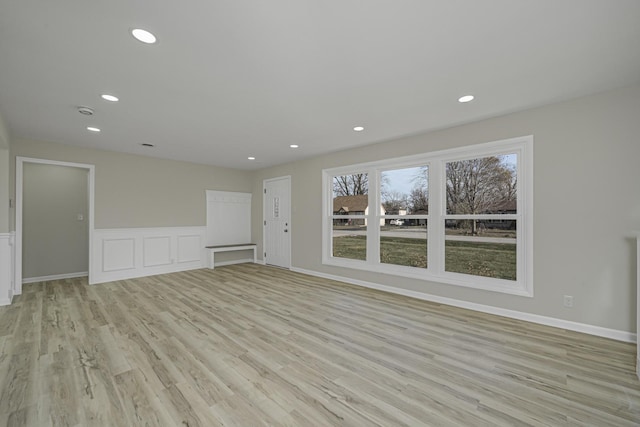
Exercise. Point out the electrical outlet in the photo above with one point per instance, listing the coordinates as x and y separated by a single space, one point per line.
568 301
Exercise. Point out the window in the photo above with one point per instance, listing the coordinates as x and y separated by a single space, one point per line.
481 216
460 216
405 211
350 214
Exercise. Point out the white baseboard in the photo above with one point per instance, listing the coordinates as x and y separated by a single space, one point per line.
55 277
533 318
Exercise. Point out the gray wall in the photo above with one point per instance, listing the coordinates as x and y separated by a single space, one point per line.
586 205
136 191
54 241
4 177
4 190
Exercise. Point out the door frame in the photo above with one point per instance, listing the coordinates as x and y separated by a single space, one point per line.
20 161
264 216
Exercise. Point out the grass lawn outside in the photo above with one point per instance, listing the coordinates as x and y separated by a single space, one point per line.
497 260
403 251
352 247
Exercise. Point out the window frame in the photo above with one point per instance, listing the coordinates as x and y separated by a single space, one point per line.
436 162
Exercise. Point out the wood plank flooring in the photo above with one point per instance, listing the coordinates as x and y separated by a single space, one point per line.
248 345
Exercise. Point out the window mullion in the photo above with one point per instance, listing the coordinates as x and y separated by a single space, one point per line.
435 225
373 227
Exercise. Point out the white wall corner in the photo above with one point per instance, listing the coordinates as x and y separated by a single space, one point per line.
6 268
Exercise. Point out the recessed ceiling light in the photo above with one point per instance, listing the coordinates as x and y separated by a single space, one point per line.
87 111
466 98
251 158
358 128
143 35
294 146
147 145
93 129
110 98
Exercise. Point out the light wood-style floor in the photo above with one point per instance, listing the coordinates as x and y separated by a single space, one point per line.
249 345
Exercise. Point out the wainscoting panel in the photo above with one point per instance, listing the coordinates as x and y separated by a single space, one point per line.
6 268
157 251
189 248
118 254
125 253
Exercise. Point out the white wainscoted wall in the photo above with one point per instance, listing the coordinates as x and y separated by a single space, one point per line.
6 267
125 253
638 304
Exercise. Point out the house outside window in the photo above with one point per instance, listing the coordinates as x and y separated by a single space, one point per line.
461 216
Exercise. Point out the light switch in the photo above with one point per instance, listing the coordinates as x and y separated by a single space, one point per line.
80 217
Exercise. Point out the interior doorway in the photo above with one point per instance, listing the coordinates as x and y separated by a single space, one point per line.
55 217
277 221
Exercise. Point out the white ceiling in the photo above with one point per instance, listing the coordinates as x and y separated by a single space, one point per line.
230 79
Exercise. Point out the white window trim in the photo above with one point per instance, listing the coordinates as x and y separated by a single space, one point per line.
522 146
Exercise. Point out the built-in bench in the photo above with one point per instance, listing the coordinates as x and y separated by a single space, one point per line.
227 248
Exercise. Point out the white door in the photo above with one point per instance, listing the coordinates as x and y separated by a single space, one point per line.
277 222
